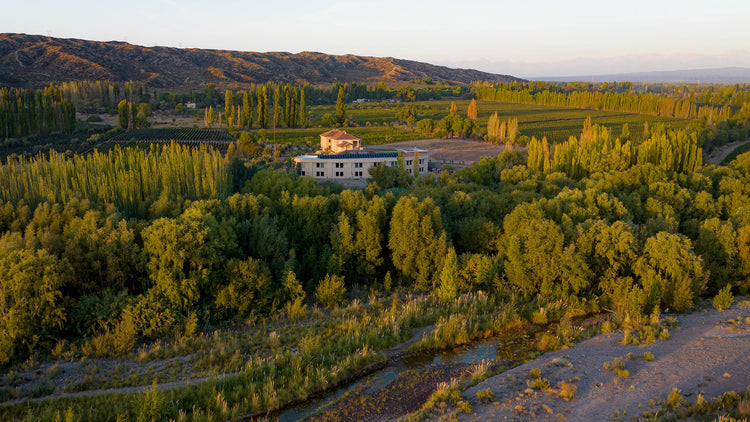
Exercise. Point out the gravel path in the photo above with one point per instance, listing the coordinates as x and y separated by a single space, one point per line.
705 354
719 154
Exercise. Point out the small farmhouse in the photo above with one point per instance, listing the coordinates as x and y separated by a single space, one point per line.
339 141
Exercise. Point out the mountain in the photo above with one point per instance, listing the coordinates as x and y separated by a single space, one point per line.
36 61
725 75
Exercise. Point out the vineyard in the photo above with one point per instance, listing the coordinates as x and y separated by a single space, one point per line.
556 123
217 138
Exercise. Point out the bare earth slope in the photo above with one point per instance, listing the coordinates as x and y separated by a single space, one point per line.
36 61
706 354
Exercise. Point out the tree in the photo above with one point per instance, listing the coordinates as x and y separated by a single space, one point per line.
454 108
331 290
471 111
276 106
30 301
262 107
302 108
406 93
670 272
448 288
341 107
184 255
288 109
248 290
425 126
123 113
417 240
142 115
247 110
229 108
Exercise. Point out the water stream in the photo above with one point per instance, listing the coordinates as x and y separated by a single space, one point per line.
504 348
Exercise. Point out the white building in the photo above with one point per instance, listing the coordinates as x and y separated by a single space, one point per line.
342 157
355 164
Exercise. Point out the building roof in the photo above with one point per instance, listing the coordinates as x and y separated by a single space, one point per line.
357 156
340 135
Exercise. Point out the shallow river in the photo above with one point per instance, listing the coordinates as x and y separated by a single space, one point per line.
505 348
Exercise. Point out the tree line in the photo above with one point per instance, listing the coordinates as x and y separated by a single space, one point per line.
29 112
722 114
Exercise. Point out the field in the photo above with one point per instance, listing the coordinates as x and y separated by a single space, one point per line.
455 152
556 123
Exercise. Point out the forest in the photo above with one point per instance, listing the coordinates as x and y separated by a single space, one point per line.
156 251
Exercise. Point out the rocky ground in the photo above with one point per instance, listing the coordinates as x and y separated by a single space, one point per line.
706 354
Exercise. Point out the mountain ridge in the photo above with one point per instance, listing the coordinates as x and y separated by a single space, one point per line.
35 61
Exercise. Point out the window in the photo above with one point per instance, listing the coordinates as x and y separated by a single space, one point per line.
319 174
358 165
393 163
408 162
421 161
421 169
357 174
320 165
339 165
339 174
303 172
409 170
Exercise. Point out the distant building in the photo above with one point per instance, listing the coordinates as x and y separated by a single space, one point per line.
190 106
341 157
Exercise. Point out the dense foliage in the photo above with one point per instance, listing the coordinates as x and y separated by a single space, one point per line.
134 244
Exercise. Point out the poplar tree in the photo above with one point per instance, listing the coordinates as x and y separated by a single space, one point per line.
123 112
471 111
454 108
341 107
262 107
229 108
276 106
288 117
247 109
448 288
302 108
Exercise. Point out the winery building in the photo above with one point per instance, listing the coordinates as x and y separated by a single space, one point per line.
342 157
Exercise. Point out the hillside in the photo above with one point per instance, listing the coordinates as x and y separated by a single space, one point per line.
36 61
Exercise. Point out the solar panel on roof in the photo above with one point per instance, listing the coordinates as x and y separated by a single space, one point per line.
358 156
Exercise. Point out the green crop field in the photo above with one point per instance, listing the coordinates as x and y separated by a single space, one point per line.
556 123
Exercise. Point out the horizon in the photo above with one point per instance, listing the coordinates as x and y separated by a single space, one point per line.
559 40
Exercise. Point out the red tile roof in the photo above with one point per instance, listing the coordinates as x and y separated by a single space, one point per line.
340 135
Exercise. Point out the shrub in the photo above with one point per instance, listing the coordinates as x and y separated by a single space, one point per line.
535 373
648 356
674 398
485 395
566 390
538 383
614 365
723 299
547 342
331 290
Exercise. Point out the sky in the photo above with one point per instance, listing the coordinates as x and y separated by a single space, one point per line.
524 37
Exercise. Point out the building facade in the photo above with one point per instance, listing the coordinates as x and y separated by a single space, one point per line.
355 164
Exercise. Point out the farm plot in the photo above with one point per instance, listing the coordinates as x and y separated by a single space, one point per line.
216 138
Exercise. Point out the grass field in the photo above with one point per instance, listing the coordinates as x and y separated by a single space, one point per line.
556 123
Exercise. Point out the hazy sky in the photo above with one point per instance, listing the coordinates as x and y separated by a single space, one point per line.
531 37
